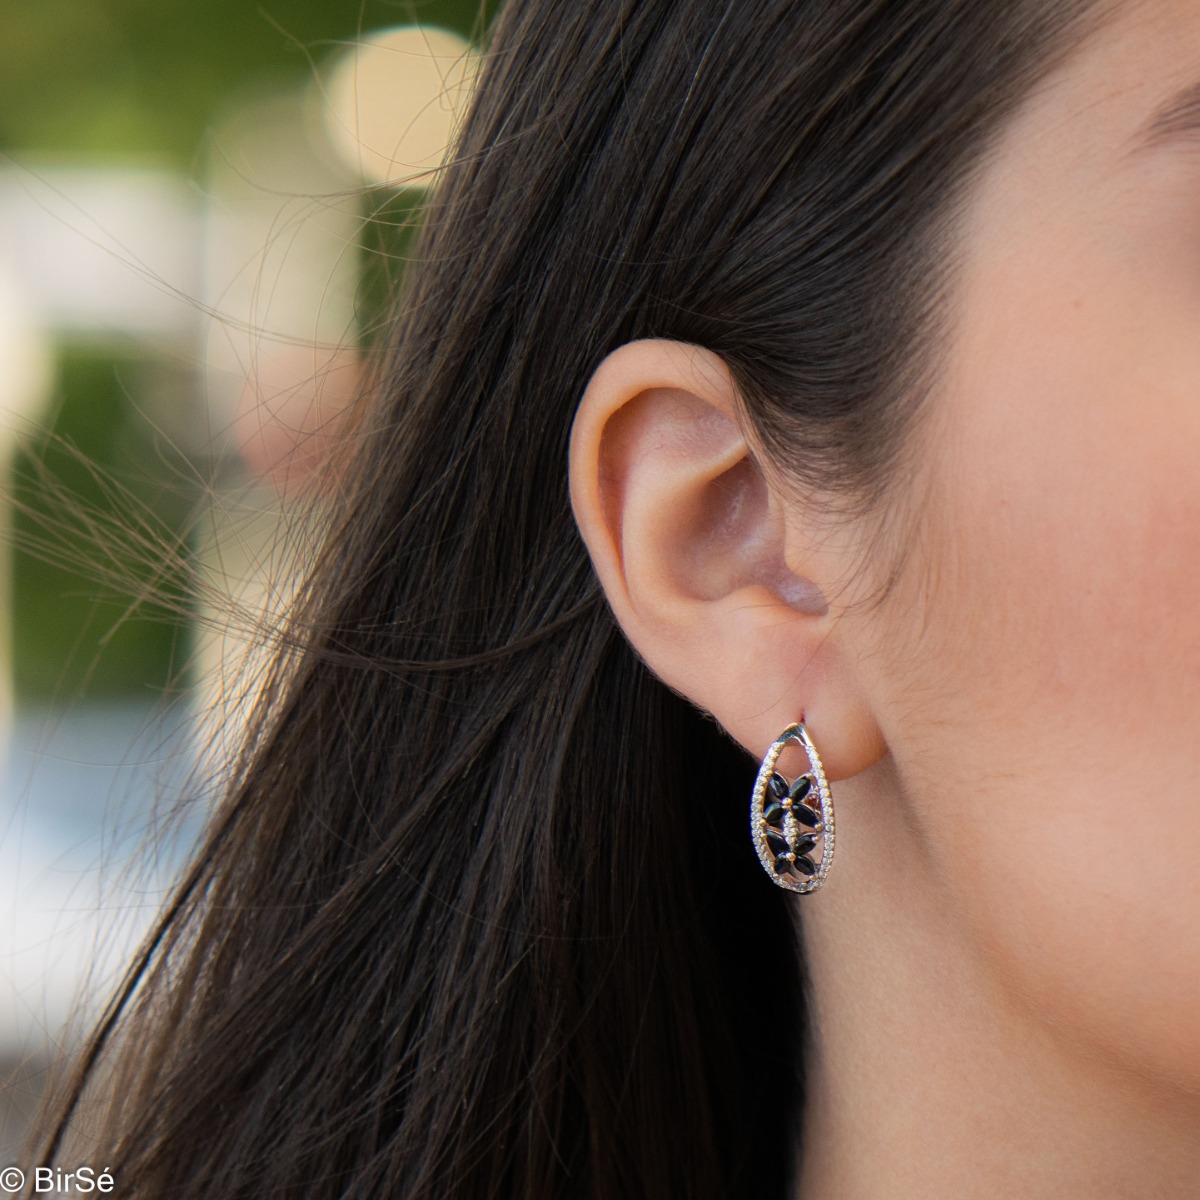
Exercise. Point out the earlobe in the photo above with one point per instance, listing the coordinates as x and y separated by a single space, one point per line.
688 541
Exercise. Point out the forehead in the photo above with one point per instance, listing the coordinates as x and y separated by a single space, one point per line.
1080 240
1108 141
1130 91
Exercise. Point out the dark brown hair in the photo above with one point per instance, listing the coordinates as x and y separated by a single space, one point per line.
478 915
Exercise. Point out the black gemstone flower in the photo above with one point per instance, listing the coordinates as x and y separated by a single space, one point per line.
792 826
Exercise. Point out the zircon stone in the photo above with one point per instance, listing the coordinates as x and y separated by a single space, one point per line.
773 812
801 787
782 865
806 816
777 843
804 844
777 786
805 866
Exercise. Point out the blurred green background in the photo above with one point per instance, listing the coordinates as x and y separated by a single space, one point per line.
110 78
201 218
138 82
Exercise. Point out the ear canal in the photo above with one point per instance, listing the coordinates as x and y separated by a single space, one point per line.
801 594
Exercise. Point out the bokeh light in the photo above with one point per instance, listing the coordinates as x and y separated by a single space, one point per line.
393 101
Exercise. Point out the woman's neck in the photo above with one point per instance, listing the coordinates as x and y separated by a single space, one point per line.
926 1078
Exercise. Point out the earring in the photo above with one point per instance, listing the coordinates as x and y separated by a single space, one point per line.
788 819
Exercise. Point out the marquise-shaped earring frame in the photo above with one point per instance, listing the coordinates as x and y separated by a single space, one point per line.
783 846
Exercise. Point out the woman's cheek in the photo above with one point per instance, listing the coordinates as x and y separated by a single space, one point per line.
1059 763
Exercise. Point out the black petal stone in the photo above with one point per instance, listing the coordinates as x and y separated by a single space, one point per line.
782 865
806 816
805 866
800 788
804 844
773 812
777 786
777 843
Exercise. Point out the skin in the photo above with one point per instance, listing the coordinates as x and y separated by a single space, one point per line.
1005 959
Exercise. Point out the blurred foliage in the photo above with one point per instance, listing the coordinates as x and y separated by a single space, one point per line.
107 81
387 242
117 78
100 500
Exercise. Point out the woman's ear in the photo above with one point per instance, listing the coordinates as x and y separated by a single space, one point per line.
688 540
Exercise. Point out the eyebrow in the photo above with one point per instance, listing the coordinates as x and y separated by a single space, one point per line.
1177 117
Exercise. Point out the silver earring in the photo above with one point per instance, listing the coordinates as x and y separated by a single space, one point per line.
787 820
